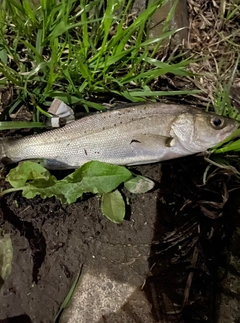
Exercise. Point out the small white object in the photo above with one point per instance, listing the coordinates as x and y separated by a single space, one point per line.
55 122
60 110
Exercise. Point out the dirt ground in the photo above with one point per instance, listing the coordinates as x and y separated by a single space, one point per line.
188 253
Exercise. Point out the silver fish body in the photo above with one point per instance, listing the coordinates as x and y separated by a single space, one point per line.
135 135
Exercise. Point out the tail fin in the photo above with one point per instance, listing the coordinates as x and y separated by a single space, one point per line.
4 159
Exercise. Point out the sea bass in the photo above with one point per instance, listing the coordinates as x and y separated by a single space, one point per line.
141 134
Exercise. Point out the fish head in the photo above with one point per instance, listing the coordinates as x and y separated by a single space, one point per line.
198 130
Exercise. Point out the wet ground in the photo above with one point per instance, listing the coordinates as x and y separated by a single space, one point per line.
188 258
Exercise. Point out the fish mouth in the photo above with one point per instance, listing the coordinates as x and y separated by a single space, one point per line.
228 131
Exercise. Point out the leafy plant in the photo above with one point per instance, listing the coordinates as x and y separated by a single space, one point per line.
93 177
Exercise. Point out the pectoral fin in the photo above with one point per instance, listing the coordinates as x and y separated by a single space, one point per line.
150 148
151 141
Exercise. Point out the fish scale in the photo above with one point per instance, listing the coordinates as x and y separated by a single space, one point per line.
141 134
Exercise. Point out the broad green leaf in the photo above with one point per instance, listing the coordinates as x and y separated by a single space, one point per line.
93 177
64 191
6 255
28 171
99 177
139 184
113 206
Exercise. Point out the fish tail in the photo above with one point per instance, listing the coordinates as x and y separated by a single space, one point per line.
4 159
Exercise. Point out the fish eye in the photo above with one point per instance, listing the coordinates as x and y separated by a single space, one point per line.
217 122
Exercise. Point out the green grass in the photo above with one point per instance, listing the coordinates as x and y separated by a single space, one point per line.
223 106
81 52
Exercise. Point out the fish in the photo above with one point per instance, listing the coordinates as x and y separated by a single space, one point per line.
136 135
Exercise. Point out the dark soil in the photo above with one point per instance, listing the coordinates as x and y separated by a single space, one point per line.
194 223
